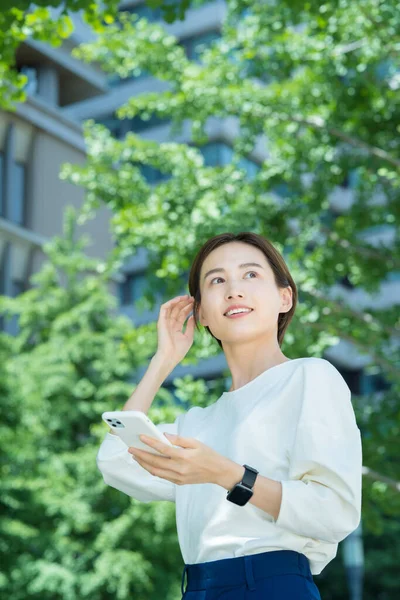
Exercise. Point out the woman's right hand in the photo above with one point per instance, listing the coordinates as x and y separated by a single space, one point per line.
173 344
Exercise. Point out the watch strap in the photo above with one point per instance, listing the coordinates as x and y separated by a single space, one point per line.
249 476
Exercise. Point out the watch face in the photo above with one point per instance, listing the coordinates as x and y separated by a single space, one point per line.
240 495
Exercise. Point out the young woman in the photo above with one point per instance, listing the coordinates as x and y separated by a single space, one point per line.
267 480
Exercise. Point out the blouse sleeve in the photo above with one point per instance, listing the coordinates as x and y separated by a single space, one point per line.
322 497
122 472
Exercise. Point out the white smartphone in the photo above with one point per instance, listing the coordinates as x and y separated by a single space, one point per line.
129 424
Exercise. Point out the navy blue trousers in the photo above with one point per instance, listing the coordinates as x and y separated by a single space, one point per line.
275 575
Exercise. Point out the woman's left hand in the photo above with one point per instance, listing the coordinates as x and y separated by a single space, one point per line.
194 462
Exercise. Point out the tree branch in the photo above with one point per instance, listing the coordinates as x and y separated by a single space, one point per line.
364 250
319 123
341 308
386 365
395 485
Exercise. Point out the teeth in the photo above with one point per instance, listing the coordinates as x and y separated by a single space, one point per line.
240 310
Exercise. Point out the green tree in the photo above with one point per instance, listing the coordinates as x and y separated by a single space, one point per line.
65 534
319 81
22 20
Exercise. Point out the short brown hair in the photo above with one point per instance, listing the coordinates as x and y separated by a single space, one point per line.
281 272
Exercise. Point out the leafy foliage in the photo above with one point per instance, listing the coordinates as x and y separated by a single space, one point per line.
50 21
64 533
319 94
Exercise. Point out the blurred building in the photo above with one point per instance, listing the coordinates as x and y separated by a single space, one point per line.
46 131
34 142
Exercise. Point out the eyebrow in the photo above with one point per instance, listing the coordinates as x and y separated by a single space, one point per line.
242 266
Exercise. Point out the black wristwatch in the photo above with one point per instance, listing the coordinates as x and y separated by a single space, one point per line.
242 492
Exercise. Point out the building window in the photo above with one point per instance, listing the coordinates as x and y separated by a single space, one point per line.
144 11
195 46
393 276
360 382
219 153
156 14
153 175
115 80
16 212
17 287
369 384
1 184
283 190
138 124
11 287
350 180
345 282
32 85
177 401
112 123
120 127
132 289
13 188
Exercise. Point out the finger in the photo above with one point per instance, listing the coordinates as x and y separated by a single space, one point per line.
148 458
142 453
184 442
174 301
190 325
179 311
168 451
173 308
163 473
157 466
181 316
149 461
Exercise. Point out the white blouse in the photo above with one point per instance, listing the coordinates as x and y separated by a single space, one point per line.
295 424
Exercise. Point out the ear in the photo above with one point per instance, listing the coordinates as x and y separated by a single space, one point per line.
286 299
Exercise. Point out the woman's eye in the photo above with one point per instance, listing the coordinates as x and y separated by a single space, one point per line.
246 274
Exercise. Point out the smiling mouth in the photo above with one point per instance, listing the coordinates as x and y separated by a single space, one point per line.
240 314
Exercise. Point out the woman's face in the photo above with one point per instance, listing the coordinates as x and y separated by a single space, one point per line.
252 286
